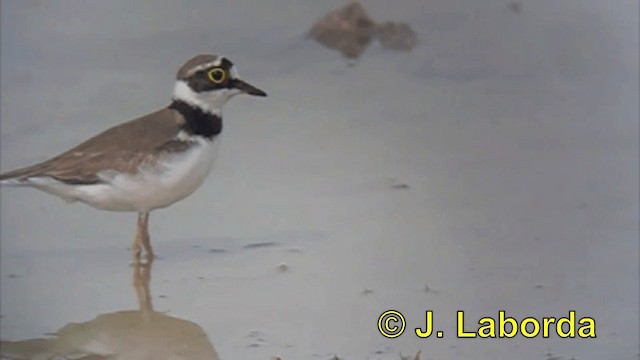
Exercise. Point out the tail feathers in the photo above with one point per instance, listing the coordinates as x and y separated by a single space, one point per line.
21 176
14 182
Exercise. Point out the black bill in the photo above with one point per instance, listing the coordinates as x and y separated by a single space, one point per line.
247 88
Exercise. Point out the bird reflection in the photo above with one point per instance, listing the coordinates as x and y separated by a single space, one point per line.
130 334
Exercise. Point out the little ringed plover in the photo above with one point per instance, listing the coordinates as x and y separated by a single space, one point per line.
149 162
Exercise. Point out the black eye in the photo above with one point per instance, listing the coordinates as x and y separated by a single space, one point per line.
217 75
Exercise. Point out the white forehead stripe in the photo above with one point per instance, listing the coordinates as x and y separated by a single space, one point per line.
195 69
233 72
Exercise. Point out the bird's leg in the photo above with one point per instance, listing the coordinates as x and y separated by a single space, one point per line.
142 238
143 230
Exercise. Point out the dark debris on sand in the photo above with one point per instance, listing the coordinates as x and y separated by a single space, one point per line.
350 30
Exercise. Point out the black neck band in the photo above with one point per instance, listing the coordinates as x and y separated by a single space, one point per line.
198 122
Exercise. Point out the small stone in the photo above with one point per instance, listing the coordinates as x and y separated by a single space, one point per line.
396 36
282 267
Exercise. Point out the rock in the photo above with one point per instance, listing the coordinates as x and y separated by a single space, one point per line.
396 36
348 30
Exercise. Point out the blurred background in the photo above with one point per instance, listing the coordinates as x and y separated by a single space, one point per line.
492 167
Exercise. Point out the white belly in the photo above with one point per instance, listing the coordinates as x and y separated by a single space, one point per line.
173 178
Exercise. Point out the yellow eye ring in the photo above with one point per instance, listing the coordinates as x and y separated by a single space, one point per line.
217 75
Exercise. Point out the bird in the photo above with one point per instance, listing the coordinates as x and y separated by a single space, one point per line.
149 162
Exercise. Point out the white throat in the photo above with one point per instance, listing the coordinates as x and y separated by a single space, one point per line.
209 101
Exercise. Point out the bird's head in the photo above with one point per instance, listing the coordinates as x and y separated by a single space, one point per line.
209 81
